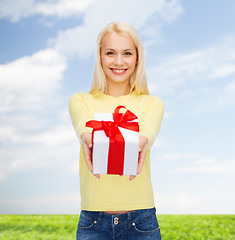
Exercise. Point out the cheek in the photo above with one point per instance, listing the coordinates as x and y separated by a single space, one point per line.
105 61
132 62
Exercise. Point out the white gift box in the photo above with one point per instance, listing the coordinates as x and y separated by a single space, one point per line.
101 142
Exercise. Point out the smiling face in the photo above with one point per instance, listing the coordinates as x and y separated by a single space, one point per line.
118 58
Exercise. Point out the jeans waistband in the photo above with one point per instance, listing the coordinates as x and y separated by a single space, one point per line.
122 218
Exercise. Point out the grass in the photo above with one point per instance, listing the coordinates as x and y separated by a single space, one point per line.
35 227
197 227
63 227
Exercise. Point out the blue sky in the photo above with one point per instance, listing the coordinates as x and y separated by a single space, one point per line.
47 54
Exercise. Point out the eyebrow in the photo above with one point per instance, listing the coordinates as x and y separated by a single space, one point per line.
129 49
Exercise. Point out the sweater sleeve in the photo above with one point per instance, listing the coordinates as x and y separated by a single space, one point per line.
152 119
80 112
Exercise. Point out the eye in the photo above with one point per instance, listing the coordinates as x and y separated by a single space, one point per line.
110 53
127 53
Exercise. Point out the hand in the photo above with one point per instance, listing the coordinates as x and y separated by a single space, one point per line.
87 147
142 153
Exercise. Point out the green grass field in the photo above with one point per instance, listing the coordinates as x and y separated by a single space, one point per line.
63 227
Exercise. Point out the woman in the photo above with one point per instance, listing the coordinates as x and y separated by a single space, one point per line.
114 207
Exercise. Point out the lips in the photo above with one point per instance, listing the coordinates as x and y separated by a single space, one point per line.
118 71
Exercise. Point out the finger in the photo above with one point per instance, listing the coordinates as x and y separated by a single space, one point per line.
88 161
131 177
97 176
142 155
141 147
89 165
142 142
87 156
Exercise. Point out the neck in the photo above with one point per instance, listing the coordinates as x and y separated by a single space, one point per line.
117 90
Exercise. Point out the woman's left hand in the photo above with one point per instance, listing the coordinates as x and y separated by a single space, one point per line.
142 153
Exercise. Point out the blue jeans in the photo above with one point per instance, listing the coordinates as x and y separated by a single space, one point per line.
136 225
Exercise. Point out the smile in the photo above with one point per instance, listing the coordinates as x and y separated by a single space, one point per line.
118 71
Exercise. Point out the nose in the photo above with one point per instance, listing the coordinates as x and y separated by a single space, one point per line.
119 60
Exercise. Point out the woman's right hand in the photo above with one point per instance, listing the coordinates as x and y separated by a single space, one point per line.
87 150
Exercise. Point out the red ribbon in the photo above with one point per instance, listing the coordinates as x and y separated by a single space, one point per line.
116 140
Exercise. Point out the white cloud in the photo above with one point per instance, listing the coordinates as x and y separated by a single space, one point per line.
223 70
181 202
25 80
65 203
195 163
56 135
203 161
159 143
204 65
62 8
8 133
196 82
29 97
18 9
151 17
227 95
42 154
212 202
177 156
226 166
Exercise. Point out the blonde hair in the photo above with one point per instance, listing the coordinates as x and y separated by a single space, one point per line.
138 81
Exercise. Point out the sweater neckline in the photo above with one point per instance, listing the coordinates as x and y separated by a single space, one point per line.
116 98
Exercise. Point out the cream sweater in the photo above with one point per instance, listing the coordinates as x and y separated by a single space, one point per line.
112 192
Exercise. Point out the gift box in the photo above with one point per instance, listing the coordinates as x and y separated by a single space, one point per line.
115 142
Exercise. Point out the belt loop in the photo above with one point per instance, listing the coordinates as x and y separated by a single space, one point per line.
100 213
129 216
